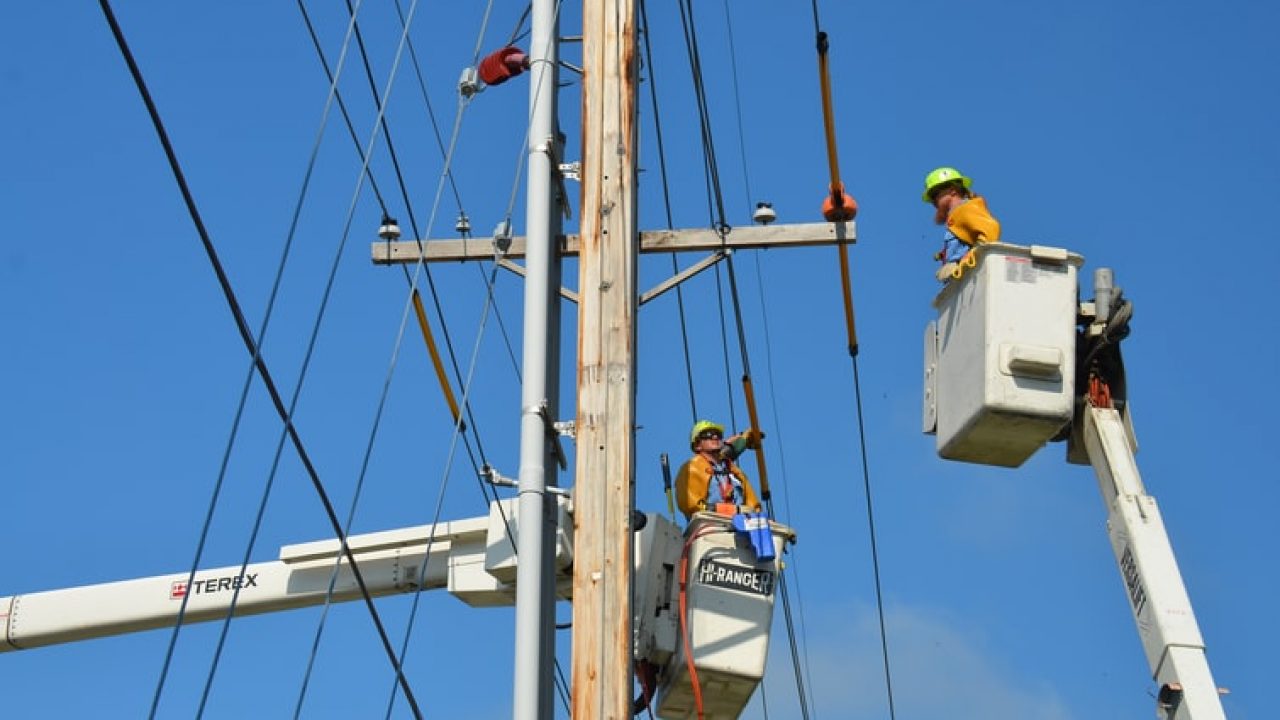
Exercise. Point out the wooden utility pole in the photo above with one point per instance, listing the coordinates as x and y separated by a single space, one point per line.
608 247
604 491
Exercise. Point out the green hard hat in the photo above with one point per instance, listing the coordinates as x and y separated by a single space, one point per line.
941 176
702 426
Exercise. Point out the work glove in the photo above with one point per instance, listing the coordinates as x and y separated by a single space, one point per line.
945 272
743 441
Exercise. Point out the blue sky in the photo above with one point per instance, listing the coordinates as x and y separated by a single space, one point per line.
1141 138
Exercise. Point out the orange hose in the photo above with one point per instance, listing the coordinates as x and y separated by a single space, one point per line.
839 206
754 419
421 312
828 115
684 623
684 632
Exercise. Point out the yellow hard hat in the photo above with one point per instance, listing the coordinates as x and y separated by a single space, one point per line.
702 426
942 176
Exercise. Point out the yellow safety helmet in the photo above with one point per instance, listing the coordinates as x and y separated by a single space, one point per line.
702 426
941 176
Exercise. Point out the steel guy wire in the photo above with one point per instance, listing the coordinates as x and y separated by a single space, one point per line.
310 351
435 127
241 324
722 226
453 444
768 347
711 166
368 172
875 555
666 202
866 473
737 104
404 191
794 565
711 171
420 266
515 32
337 95
431 113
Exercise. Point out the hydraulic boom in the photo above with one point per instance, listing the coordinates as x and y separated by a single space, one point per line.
1170 636
1014 361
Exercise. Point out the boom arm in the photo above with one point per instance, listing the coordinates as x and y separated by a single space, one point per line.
473 558
1170 636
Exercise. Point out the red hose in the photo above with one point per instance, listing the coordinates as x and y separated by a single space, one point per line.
684 624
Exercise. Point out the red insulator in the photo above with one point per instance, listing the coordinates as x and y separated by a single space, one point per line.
842 212
503 65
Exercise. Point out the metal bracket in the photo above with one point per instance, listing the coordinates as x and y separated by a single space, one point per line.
571 170
550 148
469 82
502 237
497 479
553 435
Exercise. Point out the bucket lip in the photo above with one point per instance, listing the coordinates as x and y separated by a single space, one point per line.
1044 253
709 518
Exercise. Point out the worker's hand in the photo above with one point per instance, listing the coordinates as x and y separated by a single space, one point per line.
945 272
753 438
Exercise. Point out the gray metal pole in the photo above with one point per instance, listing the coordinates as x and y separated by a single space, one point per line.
532 695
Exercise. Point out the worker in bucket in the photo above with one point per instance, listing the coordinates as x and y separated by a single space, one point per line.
711 478
965 216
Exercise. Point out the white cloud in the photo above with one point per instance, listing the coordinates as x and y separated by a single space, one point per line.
939 669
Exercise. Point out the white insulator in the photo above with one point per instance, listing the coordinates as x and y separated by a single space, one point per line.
389 230
764 213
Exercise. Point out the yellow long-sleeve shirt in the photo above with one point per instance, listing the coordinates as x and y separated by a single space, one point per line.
695 477
973 223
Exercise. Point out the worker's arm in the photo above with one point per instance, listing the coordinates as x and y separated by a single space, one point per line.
746 440
691 487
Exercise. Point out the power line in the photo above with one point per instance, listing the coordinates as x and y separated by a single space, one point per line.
666 202
250 344
871 525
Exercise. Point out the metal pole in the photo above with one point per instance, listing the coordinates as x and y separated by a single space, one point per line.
534 648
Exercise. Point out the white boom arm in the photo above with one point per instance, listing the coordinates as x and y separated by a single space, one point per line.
1170 636
473 558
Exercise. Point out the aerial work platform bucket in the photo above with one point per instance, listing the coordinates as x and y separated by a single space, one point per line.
1000 358
729 597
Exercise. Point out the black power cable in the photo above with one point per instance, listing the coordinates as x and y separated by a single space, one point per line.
720 223
460 427
666 201
254 350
